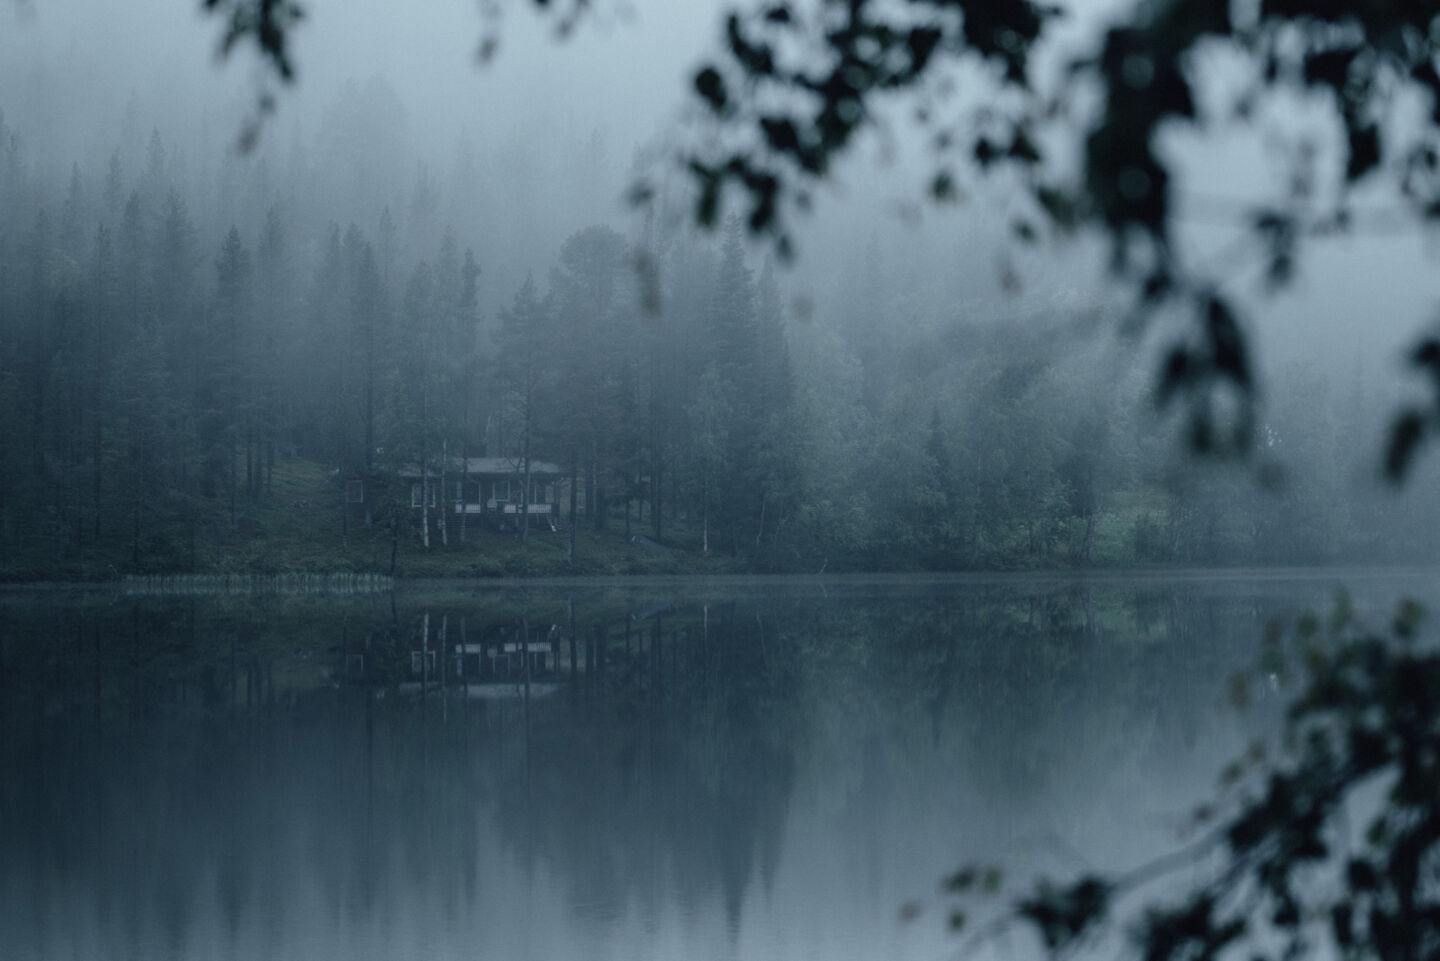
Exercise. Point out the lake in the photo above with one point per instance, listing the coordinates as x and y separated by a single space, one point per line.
729 769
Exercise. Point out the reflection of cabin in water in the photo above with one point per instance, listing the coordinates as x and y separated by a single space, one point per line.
489 655
504 658
501 656
492 487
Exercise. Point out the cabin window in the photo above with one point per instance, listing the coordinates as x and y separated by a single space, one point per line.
355 492
417 494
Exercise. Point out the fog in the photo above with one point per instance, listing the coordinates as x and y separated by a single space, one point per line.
731 771
916 365
459 555
80 80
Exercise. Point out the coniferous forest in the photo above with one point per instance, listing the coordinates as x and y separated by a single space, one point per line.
198 356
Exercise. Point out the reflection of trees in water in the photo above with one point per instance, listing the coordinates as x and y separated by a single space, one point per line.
667 779
1017 698
188 766
196 763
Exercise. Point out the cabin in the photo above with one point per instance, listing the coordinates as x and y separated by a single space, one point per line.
492 488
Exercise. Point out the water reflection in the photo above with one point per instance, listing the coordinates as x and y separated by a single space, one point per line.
743 771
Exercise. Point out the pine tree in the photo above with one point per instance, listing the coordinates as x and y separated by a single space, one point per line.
225 389
520 342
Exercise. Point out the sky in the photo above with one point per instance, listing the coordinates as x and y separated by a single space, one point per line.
69 69
620 72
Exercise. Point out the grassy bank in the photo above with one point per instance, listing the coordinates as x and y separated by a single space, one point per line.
301 528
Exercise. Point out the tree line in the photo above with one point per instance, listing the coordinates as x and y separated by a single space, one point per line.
159 359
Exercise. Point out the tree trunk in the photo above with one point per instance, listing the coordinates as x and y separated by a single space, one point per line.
394 542
1089 541
464 488
594 502
96 449
574 499
525 493
525 459
441 502
234 466
424 505
657 496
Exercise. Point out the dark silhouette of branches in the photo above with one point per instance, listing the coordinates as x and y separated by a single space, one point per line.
1284 870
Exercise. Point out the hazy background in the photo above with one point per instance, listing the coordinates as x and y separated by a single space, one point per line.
572 120
76 78
392 113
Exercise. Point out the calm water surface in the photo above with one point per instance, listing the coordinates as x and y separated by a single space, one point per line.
681 770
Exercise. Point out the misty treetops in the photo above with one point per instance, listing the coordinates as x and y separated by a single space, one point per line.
168 337
175 327
1081 125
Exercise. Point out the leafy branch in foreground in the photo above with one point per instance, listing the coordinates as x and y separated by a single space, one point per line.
1086 147
1091 146
1333 848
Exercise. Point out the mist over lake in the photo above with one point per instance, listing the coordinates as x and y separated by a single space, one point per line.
706 769
583 479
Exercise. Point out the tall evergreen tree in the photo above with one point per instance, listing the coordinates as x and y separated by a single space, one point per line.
520 341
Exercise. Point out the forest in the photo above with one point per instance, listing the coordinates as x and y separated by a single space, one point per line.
197 354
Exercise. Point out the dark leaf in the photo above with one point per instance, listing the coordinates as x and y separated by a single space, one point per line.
1427 354
1425 74
961 881
922 43
985 152
1330 68
1361 876
1063 914
711 88
756 59
1342 925
781 133
1023 149
1364 151
1405 436
1177 373
1158 285
1227 344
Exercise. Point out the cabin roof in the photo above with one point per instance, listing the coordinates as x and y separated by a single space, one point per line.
492 466
507 465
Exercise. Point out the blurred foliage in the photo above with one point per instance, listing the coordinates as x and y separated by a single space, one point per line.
797 83
1329 849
